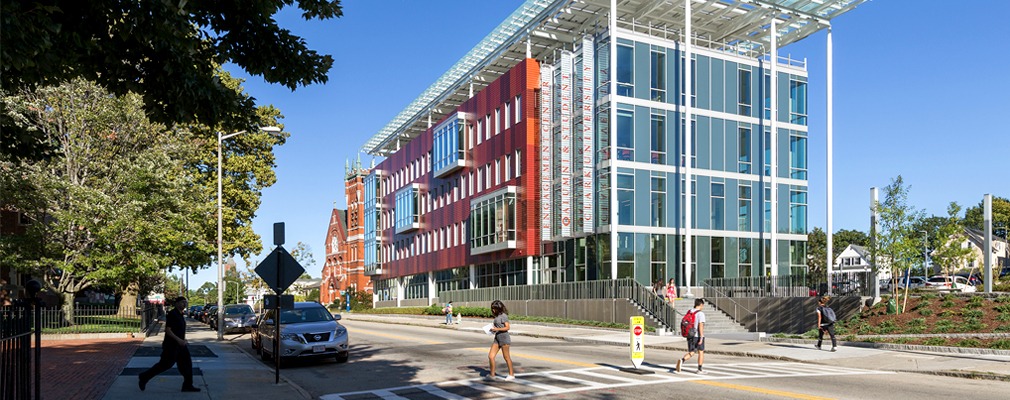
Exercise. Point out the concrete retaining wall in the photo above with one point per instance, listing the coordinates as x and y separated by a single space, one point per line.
602 310
784 314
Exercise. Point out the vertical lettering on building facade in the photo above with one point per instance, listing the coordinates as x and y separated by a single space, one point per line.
546 98
587 134
565 92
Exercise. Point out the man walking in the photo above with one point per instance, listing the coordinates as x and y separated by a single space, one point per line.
174 349
695 333
825 323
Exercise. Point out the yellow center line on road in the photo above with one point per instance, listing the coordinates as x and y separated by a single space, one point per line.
393 336
760 390
542 358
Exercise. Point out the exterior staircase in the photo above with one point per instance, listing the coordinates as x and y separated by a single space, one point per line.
716 321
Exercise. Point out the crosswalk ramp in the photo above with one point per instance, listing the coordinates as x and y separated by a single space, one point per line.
603 377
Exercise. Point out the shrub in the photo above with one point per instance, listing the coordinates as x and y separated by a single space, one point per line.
1002 299
942 329
1003 344
922 304
886 327
850 338
839 330
779 335
1002 328
916 322
971 325
949 297
976 301
969 343
1002 308
813 333
915 330
925 312
947 304
866 329
1002 287
902 340
1003 317
944 322
936 342
947 314
928 296
973 314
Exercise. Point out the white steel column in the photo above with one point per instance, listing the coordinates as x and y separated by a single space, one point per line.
774 147
987 247
874 231
612 60
688 146
830 259
431 288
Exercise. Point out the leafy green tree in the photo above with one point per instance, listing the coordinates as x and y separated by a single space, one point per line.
303 254
817 249
111 206
313 295
165 51
973 217
949 254
895 243
931 226
208 292
234 288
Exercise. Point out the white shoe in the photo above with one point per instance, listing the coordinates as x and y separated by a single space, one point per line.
702 372
490 378
834 349
510 378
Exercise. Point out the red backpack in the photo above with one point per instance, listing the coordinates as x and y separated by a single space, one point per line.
687 326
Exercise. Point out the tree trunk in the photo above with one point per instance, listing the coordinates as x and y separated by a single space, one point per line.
68 309
128 300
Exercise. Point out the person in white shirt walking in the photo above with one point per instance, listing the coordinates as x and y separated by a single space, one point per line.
695 339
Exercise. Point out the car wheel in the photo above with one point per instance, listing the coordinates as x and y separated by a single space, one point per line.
252 342
264 355
342 357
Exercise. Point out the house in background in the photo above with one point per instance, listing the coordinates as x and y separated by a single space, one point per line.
975 240
856 258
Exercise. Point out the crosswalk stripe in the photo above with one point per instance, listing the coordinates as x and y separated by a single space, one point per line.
435 390
490 389
611 377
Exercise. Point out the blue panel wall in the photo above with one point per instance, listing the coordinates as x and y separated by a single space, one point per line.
704 128
643 134
783 97
732 146
718 145
718 84
673 76
643 75
674 201
703 79
704 250
732 257
732 89
643 198
783 153
704 216
673 144
643 259
783 209
756 136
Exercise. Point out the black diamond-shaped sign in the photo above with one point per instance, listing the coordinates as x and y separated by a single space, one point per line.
290 270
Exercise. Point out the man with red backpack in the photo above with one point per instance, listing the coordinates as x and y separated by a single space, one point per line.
692 327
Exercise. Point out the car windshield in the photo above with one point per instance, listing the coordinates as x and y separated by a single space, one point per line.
315 314
238 310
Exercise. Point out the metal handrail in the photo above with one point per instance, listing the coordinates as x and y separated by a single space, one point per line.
707 287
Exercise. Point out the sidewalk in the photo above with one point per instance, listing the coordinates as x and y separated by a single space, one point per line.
221 370
910 359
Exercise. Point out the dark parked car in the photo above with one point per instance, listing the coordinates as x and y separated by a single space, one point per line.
193 311
255 333
209 315
307 330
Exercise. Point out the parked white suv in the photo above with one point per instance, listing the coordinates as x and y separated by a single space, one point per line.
947 283
307 330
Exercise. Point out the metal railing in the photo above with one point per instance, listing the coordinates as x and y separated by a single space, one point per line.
712 293
842 284
16 352
99 319
628 289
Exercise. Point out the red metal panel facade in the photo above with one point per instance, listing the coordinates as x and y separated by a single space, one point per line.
522 80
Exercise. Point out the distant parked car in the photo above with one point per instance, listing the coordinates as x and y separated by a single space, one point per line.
308 330
210 317
206 311
947 283
915 282
973 279
193 311
238 317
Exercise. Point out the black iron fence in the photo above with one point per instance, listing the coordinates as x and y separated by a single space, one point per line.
99 319
16 359
842 284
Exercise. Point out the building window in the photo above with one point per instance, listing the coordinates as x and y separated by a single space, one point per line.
798 157
519 163
497 120
408 209
745 151
658 81
487 127
658 188
768 207
718 257
493 218
508 167
507 115
718 206
768 96
416 287
452 279
745 258
625 70
625 255
625 196
625 135
658 133
658 245
798 209
745 92
745 209
497 172
518 108
448 147
469 136
501 273
798 102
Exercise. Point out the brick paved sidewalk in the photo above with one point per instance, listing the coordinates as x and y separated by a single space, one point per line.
83 369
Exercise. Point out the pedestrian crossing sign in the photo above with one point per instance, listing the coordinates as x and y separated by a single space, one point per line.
637 340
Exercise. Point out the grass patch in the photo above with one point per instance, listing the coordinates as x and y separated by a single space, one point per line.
887 327
1003 317
916 322
936 342
811 334
947 304
1002 344
779 335
922 304
925 312
902 340
1002 308
915 330
969 343
949 297
850 338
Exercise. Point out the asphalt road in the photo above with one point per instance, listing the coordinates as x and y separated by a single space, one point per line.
390 361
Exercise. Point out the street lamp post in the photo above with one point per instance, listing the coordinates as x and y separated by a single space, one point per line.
220 250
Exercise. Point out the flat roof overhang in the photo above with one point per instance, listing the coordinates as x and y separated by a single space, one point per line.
546 26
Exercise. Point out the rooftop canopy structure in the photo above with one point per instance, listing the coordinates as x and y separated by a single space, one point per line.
541 27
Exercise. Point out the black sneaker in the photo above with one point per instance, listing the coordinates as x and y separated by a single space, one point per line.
818 347
191 389
143 384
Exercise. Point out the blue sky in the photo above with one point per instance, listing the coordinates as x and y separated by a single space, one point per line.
918 88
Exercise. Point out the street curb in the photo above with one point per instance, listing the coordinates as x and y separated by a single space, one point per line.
960 374
893 346
305 394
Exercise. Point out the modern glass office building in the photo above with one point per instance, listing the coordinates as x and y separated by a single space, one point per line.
655 142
